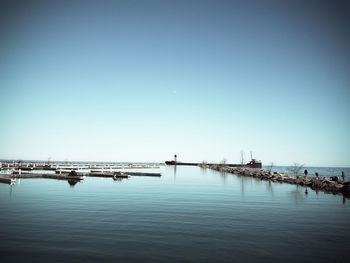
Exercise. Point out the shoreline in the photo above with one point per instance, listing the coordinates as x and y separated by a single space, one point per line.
324 184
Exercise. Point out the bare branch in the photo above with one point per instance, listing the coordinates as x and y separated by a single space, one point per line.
242 157
224 161
269 168
296 168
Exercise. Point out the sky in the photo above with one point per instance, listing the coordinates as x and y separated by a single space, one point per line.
144 80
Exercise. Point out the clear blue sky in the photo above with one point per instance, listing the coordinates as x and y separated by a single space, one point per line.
142 80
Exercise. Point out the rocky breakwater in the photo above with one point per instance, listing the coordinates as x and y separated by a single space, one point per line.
328 185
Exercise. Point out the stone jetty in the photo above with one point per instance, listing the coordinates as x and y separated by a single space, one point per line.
328 185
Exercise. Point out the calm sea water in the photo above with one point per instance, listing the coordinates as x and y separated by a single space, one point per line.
187 215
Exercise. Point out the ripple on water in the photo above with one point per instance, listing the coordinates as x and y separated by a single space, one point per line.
193 215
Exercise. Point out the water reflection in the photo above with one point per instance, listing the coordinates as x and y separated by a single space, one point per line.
297 195
10 192
223 177
118 179
270 188
72 183
203 169
242 182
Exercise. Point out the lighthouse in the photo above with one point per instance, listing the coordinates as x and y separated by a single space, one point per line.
175 158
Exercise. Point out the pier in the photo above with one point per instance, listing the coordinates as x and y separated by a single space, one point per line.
252 164
72 172
31 166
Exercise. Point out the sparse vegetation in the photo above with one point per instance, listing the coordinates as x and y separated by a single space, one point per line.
242 157
224 161
269 167
296 168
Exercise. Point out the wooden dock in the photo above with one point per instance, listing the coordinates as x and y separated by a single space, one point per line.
11 178
63 176
30 166
61 171
112 174
141 174
7 180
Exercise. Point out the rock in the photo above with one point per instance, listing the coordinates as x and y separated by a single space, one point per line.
334 178
331 185
338 186
346 187
307 181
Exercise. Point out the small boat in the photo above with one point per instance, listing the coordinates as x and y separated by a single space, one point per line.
120 175
73 173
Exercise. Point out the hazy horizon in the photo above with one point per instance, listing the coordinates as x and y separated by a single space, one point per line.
163 162
134 81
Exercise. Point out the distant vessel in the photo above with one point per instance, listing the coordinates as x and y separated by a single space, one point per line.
252 164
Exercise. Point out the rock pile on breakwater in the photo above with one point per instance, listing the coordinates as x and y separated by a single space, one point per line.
329 185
